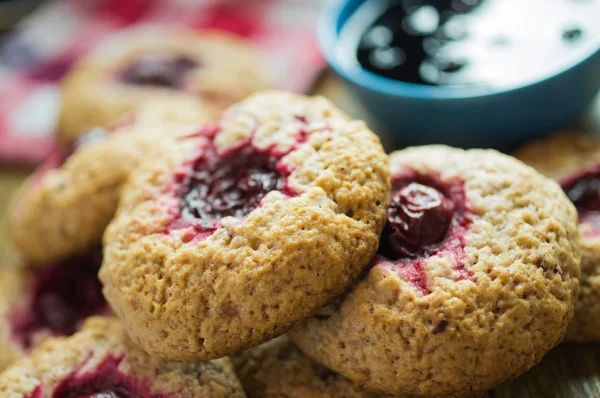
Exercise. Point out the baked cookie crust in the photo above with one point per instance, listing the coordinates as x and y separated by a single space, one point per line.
279 369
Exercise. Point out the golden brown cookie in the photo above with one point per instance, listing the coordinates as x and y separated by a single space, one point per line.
573 159
178 74
100 361
475 279
277 369
238 232
53 300
65 206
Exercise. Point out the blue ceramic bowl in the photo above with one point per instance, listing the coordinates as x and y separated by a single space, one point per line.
468 116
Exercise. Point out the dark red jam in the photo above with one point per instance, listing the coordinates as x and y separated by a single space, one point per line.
61 296
36 393
489 42
161 70
426 217
418 217
583 189
106 381
231 184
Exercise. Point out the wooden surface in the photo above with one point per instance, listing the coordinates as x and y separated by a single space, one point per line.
567 371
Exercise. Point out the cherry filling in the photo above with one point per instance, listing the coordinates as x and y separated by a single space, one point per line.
61 296
231 184
163 70
583 189
426 217
418 217
106 381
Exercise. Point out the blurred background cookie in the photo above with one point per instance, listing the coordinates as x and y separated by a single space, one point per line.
47 300
65 206
475 279
179 73
100 361
573 159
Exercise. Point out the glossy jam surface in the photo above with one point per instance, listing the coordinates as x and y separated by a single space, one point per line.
465 42
62 295
231 184
162 70
426 217
583 189
106 381
418 217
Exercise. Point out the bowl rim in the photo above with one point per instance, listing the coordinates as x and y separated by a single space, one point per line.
327 40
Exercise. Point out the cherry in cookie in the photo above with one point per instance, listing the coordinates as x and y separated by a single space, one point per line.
101 362
583 189
231 184
63 209
426 217
156 69
573 160
178 75
50 300
238 232
475 279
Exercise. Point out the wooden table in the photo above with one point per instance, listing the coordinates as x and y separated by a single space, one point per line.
567 371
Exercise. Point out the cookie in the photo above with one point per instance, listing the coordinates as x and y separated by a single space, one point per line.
65 206
474 281
240 231
12 283
100 361
53 300
177 74
278 369
573 159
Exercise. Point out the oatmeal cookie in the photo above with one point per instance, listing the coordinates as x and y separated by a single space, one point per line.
278 369
573 159
65 206
238 232
100 361
474 281
178 74
52 300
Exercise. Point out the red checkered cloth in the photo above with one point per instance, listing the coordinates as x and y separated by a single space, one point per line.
38 53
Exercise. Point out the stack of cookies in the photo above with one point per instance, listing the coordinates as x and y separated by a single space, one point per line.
264 245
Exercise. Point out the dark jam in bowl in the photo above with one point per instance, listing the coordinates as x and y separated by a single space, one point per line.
465 42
